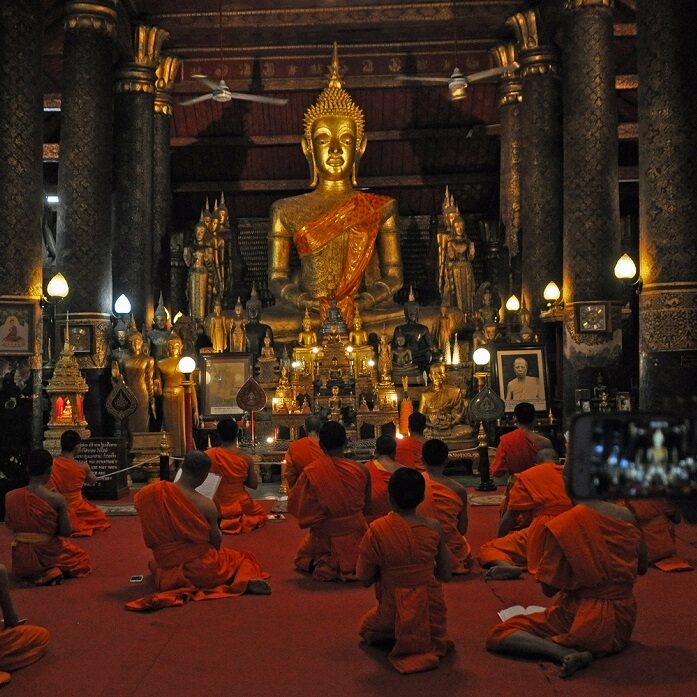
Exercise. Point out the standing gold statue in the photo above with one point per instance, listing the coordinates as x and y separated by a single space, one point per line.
215 327
455 274
238 333
347 241
157 337
139 369
217 244
173 404
384 359
198 258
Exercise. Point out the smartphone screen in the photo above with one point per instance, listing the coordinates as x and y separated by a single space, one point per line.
617 456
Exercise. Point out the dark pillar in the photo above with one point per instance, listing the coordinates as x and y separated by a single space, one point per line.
83 234
540 160
510 97
21 137
668 192
161 186
592 314
134 108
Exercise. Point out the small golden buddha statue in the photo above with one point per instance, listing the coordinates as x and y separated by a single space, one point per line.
199 259
455 254
335 405
336 230
307 337
445 408
215 327
139 374
358 336
238 332
384 359
267 350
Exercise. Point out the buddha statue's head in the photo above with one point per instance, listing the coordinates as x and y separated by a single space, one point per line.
206 215
458 226
400 340
357 322
334 138
238 308
121 333
136 340
335 391
200 230
254 306
217 308
267 340
161 317
174 345
307 322
490 331
214 224
437 373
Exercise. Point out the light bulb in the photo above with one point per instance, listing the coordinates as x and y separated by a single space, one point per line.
186 365
349 349
625 268
481 356
122 306
57 287
551 292
513 304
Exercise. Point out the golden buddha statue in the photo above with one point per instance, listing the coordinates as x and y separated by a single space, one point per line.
173 404
456 276
215 326
445 408
199 259
139 374
307 337
358 336
347 240
238 331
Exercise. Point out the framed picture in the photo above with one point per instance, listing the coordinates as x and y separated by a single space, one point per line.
519 374
624 401
17 326
222 375
81 337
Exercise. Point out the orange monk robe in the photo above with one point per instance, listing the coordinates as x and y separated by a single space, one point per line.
514 453
238 511
448 505
186 565
592 558
409 452
67 478
379 496
541 491
300 454
659 533
328 499
411 607
20 646
38 553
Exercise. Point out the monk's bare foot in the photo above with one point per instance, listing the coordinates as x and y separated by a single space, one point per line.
574 662
503 573
258 586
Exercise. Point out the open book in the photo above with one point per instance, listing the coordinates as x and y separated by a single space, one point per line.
209 486
516 610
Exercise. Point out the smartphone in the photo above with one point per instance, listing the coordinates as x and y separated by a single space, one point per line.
137 578
619 456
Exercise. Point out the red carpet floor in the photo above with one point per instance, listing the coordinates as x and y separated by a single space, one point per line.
302 640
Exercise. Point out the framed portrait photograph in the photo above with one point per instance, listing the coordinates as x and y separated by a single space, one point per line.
519 374
17 326
222 375
81 337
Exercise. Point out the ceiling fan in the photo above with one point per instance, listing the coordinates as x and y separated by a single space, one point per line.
220 92
457 82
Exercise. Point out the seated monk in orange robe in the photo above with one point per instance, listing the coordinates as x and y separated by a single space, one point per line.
448 500
405 556
331 498
516 450
180 526
20 644
657 521
590 557
39 520
381 468
537 495
238 511
409 448
67 478
303 451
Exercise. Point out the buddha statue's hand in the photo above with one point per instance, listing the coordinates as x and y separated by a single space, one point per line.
365 300
305 300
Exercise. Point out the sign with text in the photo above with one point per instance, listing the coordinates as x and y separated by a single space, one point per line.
104 456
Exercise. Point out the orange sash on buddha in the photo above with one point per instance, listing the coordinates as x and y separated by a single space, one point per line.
67 478
379 497
358 217
186 565
541 490
514 453
409 451
238 511
38 554
592 558
328 499
411 607
299 455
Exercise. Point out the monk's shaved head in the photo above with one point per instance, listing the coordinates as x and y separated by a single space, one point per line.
332 436
385 445
524 413
39 463
435 453
417 423
406 488
547 455
196 462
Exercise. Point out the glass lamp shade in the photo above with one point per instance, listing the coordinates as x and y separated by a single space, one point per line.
57 287
122 306
186 365
625 268
551 292
513 304
481 356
